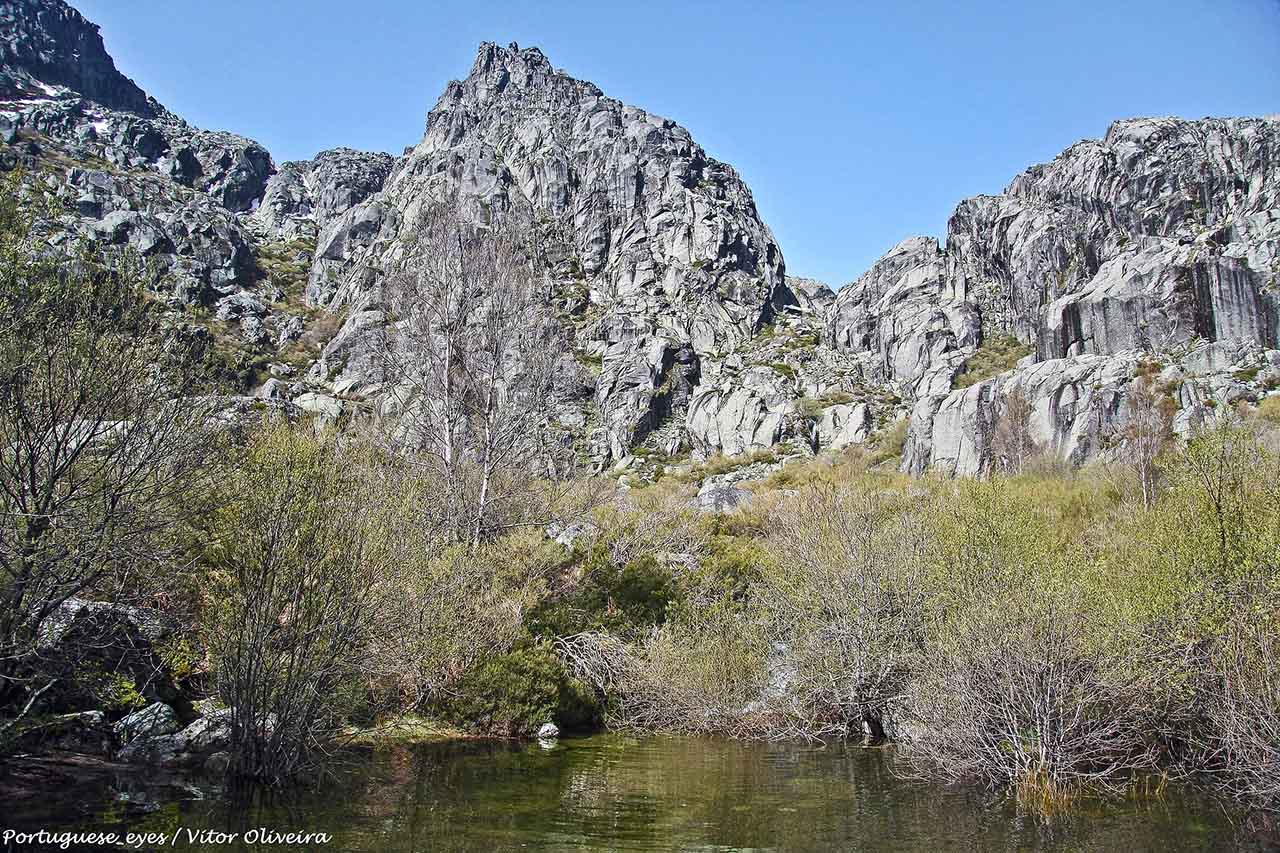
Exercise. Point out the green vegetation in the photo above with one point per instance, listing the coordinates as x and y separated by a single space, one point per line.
1269 409
812 407
996 355
977 616
1046 630
287 266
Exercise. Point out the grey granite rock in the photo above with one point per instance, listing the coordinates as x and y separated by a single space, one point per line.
47 41
905 312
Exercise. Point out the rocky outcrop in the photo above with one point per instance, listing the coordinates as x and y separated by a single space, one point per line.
47 43
662 259
811 296
906 314
1159 241
1164 293
304 197
1071 406
1051 231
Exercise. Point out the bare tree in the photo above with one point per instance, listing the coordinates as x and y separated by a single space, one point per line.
299 559
850 588
99 435
470 353
1018 694
1147 432
1012 441
1241 744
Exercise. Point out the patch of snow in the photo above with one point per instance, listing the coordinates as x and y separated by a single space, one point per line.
51 91
101 127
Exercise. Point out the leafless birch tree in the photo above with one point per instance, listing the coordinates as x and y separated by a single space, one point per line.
470 355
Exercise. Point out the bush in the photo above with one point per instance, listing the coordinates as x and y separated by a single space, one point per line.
1269 409
515 693
1023 694
996 355
623 599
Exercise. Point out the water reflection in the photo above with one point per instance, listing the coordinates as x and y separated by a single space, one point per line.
646 794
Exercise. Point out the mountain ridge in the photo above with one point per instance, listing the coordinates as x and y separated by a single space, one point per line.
687 335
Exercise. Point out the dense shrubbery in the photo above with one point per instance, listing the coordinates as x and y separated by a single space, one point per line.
1044 629
514 693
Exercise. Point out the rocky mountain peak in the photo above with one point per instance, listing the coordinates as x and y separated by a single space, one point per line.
46 44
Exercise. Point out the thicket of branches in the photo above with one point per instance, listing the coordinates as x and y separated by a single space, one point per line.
1051 632
100 431
1043 629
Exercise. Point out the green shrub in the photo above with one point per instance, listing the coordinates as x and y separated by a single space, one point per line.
785 369
993 357
890 442
1269 410
622 599
515 693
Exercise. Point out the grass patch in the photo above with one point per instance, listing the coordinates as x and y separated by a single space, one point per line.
784 369
813 407
995 356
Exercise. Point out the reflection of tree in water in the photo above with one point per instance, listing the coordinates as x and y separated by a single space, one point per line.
681 793
653 793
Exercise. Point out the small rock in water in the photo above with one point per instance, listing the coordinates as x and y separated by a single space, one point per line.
548 731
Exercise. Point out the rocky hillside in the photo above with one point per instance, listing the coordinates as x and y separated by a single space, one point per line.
1155 250
1152 251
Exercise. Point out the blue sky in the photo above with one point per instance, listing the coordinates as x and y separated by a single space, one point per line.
855 124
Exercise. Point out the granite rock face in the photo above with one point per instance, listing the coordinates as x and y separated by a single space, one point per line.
661 259
46 43
1211 183
1073 405
1158 243
905 313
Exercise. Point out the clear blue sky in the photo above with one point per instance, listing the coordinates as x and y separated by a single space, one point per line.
855 124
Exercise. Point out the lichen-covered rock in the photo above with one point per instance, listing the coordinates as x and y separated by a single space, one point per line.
189 747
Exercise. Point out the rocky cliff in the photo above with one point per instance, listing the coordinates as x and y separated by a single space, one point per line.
1157 246
1153 250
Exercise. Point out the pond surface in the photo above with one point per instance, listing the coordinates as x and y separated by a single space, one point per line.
611 792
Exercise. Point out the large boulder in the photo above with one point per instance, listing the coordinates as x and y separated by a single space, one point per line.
188 747
754 412
155 720
842 425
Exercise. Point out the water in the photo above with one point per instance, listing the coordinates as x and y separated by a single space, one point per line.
611 792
